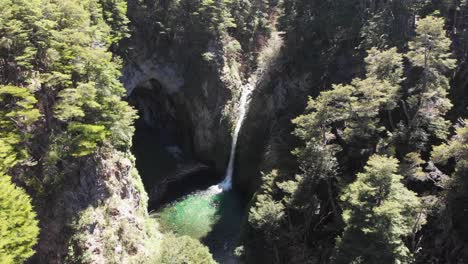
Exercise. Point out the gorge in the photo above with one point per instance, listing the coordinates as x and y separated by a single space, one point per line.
233 131
213 215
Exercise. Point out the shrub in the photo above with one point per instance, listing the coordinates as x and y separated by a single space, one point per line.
184 250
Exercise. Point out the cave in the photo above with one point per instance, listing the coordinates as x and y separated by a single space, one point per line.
163 146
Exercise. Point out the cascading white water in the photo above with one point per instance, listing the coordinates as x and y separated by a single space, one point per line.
226 184
243 106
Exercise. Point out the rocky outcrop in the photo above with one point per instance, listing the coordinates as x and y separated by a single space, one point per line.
99 214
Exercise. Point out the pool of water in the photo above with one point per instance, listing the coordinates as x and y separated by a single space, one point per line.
211 217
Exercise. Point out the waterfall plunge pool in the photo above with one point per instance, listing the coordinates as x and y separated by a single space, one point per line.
212 217
188 207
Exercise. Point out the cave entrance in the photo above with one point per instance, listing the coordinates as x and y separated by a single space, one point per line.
162 145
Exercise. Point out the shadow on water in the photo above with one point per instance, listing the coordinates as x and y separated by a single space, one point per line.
225 233
152 158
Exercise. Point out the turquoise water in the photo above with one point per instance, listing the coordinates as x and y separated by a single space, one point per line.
193 215
212 218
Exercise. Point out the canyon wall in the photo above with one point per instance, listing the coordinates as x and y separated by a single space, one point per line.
97 215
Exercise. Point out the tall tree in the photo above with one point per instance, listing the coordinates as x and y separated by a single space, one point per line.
18 19
378 213
340 129
426 103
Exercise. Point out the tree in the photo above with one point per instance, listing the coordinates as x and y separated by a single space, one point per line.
114 13
18 227
351 112
75 104
347 117
60 49
427 103
215 15
378 213
85 75
340 129
85 137
379 113
457 193
456 148
390 23
17 114
17 53
267 214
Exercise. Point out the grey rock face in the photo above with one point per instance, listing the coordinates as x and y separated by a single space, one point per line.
167 74
99 212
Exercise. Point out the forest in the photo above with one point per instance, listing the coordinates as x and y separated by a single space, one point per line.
234 131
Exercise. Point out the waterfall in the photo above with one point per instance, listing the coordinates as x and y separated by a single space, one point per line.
226 184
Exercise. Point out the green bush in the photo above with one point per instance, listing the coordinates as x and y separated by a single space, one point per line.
184 250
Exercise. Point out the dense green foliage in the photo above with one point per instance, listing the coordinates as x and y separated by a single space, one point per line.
456 148
390 116
266 215
60 99
457 191
17 114
18 226
378 212
184 250
210 31
427 102
59 52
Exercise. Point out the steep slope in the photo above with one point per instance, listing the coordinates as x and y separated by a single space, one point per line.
73 157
